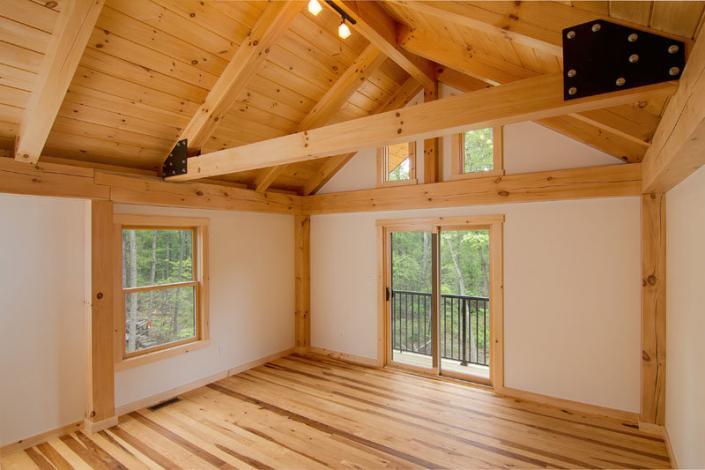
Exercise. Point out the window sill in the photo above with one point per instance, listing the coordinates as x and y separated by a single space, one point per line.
154 356
388 184
475 175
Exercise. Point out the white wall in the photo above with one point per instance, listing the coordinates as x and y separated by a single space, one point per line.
42 338
685 359
528 147
42 282
251 300
572 294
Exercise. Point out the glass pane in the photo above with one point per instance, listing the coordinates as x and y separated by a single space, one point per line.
398 162
156 257
465 304
411 298
157 317
478 151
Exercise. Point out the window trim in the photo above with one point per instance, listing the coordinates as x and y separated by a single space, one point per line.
458 164
199 226
382 167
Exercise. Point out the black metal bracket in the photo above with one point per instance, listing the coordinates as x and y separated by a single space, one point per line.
176 162
600 57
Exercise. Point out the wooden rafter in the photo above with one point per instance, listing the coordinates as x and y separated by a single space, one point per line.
232 82
381 30
610 126
678 147
534 24
72 31
530 99
330 104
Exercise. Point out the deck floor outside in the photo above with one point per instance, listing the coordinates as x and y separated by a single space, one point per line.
299 412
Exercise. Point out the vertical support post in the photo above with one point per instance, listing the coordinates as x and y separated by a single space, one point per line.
432 170
101 397
302 267
653 308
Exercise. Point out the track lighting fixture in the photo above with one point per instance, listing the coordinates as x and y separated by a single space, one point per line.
314 7
343 30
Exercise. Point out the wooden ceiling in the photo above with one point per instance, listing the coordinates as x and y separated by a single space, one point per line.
150 64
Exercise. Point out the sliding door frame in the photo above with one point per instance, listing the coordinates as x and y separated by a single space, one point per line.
495 225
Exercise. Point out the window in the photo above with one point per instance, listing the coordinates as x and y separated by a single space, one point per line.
161 302
477 153
396 164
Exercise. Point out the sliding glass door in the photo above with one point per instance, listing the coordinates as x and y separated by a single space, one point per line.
465 302
442 293
410 294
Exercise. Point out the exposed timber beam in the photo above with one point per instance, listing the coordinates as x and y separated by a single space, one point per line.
72 31
534 24
405 93
602 181
302 276
610 126
330 104
678 147
653 309
432 161
524 100
381 30
253 51
57 180
101 384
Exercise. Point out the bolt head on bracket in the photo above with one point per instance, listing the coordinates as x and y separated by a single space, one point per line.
600 57
176 162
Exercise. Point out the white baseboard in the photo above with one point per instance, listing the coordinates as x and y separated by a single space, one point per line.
171 393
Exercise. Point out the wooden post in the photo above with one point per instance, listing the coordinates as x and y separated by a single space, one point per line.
431 147
101 394
302 266
653 308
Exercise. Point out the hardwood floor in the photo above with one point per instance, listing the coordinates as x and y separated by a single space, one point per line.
298 412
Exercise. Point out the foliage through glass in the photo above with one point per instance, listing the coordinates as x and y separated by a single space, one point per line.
478 150
159 311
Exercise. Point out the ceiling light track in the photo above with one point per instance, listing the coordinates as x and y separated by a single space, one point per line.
314 7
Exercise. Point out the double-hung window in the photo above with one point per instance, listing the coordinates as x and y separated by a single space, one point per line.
161 303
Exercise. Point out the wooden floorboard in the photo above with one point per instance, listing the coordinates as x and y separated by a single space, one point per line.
299 412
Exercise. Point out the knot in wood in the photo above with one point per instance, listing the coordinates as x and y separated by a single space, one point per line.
645 356
503 193
651 280
199 193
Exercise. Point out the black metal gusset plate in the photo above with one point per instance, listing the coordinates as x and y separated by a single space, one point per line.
175 163
600 57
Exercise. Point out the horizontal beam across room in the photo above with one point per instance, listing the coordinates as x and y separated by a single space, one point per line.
523 100
57 180
580 183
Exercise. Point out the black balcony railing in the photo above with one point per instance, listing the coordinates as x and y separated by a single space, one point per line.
464 322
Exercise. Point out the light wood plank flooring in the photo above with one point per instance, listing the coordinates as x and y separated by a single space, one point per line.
299 412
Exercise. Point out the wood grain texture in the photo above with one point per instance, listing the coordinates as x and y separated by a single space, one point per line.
302 268
603 181
298 412
101 391
653 308
529 99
